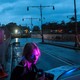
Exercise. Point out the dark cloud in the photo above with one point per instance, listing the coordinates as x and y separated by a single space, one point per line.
15 10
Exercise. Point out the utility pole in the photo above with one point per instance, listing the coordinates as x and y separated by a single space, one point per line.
31 21
76 33
40 7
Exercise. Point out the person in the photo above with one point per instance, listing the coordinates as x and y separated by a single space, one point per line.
27 70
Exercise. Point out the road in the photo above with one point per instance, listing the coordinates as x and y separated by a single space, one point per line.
53 56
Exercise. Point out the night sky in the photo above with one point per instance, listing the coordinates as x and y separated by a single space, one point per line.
15 10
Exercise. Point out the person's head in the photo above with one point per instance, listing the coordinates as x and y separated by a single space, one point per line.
31 52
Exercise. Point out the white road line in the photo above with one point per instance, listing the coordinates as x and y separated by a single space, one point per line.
58 59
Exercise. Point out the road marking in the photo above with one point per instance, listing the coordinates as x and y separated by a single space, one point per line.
58 59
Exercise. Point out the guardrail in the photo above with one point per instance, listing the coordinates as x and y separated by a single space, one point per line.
57 37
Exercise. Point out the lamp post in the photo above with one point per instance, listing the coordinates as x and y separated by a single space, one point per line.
41 7
41 24
31 21
76 33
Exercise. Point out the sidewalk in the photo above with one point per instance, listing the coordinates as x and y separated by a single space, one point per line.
69 45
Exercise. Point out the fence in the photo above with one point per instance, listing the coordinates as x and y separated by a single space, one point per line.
57 37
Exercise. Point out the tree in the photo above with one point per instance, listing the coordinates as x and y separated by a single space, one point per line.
11 26
36 28
72 19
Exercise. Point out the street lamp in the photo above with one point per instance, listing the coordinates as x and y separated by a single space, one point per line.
16 31
40 7
41 24
31 21
42 21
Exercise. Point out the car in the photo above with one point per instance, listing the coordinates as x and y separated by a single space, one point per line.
66 72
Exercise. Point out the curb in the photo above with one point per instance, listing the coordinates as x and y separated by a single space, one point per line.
62 45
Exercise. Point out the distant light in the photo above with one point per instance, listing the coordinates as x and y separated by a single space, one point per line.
26 31
16 31
16 39
30 31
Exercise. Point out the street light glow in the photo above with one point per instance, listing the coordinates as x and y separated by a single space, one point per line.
16 39
30 31
16 31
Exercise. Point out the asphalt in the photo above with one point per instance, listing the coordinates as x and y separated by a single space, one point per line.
8 64
62 44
